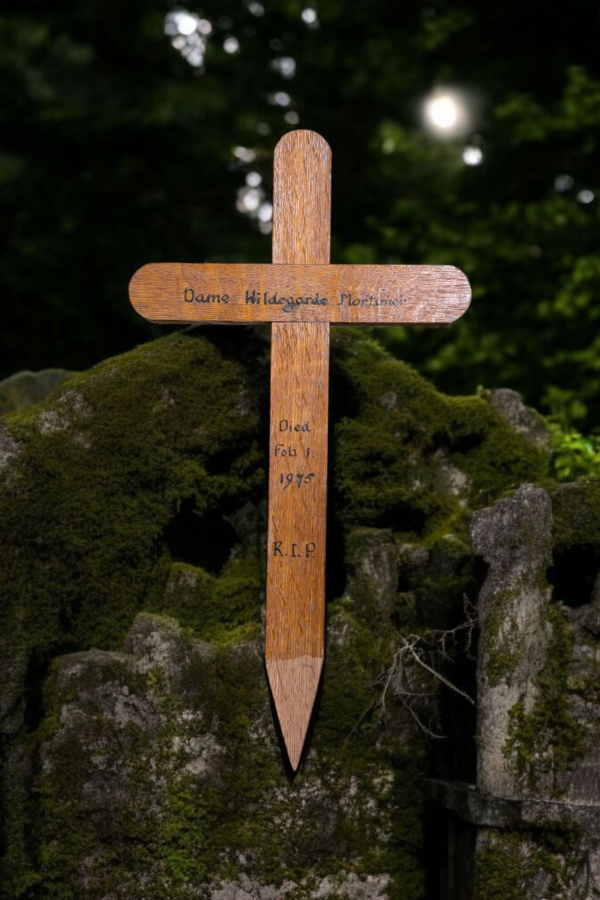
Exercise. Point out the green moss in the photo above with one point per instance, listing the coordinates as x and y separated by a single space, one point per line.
496 458
576 512
548 738
502 872
170 433
385 467
405 612
223 609
115 505
504 647
144 437
106 470
183 831
356 658
509 861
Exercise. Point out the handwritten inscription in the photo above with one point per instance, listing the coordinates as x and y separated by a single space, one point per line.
286 425
350 300
289 303
189 295
295 551
281 451
301 479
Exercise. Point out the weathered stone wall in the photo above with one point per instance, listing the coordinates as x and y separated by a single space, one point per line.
140 758
538 786
514 539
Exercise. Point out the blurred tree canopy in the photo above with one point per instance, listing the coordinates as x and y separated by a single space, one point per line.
116 150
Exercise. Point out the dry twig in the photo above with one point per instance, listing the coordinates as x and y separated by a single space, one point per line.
418 653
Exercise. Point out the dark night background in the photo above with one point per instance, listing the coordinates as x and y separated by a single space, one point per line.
116 150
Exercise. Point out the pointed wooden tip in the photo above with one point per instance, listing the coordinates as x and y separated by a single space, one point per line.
294 684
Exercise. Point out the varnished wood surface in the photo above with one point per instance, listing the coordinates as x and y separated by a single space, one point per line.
295 629
300 294
302 199
294 685
297 505
369 295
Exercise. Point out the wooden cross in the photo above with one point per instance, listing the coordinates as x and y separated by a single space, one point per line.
301 293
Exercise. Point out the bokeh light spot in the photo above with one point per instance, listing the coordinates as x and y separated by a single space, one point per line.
253 179
244 154
585 196
231 45
285 65
257 9
280 98
472 156
309 15
188 33
563 182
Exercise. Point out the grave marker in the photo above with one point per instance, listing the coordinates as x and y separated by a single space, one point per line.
301 293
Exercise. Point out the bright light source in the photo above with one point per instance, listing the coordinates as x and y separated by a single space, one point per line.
292 117
253 179
257 9
563 182
309 15
445 113
442 112
585 196
472 156
285 65
204 26
231 45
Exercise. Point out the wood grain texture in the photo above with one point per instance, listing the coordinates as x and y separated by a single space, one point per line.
295 629
369 295
300 294
299 400
302 199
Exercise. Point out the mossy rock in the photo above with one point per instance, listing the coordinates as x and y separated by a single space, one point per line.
132 503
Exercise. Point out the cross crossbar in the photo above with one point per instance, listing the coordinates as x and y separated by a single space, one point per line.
367 295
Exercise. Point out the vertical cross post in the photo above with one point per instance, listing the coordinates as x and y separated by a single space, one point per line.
299 403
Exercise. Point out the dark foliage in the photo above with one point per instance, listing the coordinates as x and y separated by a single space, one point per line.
115 151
